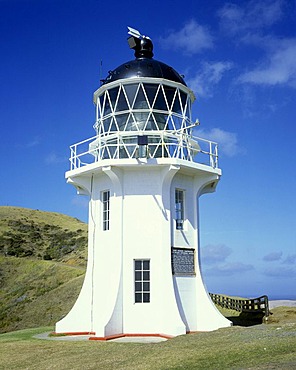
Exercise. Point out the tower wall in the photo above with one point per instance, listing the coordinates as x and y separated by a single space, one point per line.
142 227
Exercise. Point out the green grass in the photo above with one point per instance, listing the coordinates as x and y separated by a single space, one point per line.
43 235
42 265
270 346
34 293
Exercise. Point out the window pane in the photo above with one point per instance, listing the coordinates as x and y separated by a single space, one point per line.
142 281
138 275
105 197
138 286
138 265
179 209
138 297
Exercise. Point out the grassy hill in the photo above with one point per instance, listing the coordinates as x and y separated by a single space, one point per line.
43 235
42 265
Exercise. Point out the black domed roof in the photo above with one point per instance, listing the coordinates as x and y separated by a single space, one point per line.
144 65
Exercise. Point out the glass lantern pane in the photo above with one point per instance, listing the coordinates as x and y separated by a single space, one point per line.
140 102
122 120
176 105
130 124
161 120
151 123
150 92
107 106
106 124
170 93
141 119
113 96
101 104
131 90
183 99
160 101
122 103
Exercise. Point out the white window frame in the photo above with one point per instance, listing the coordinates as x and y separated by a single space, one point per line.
142 281
179 208
105 198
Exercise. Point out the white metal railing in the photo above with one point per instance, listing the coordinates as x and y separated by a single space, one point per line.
161 144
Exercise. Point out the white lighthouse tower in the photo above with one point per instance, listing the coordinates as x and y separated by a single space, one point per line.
144 172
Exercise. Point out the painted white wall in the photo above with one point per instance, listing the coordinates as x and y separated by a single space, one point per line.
141 227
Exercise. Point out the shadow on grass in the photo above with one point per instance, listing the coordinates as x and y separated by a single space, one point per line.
247 319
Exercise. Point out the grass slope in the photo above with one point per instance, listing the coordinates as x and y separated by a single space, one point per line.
262 346
35 293
42 266
43 235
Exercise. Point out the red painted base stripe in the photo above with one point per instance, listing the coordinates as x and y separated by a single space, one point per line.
74 333
116 336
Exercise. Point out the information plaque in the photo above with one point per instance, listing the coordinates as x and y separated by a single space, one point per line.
183 261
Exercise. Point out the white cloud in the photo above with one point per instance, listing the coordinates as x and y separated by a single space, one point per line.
34 142
227 141
290 260
273 256
215 253
229 269
191 39
251 16
207 77
281 272
53 158
279 68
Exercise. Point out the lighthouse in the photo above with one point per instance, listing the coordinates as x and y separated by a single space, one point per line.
143 171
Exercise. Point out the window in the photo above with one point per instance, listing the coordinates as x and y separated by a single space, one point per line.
106 209
179 208
142 281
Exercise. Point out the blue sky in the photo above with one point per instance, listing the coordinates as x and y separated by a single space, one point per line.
238 57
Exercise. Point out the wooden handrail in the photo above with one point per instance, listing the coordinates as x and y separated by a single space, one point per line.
259 304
